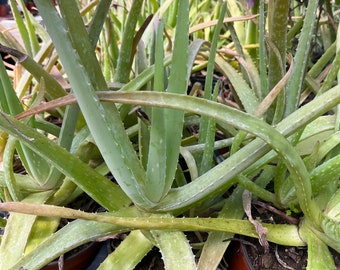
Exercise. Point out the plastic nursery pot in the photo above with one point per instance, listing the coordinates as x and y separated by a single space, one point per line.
78 260
238 258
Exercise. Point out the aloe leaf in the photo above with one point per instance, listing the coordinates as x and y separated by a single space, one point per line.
143 78
190 162
327 172
128 219
156 166
124 63
156 157
75 169
98 20
331 227
11 104
10 179
177 84
78 37
216 244
69 237
54 89
235 11
322 62
8 39
337 113
320 130
129 252
207 126
262 53
320 176
197 190
64 140
24 182
295 82
244 92
21 27
207 136
171 15
319 256
330 241
9 101
332 74
182 198
32 36
18 228
278 20
332 209
107 69
175 249
42 228
243 121
252 29
103 119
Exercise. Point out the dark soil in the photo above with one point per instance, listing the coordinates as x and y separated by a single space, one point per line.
278 257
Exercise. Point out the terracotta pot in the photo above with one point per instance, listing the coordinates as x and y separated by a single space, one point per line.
79 260
239 259
3 10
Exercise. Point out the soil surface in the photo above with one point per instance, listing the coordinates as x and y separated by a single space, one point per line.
278 257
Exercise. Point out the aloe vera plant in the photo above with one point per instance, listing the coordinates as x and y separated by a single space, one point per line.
268 136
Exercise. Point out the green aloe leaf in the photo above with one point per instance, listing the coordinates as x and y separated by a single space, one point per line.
296 81
177 84
175 249
124 58
129 252
75 169
98 20
246 95
76 53
182 198
33 163
207 125
24 182
25 32
9 176
238 119
18 229
69 237
156 166
319 256
128 219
